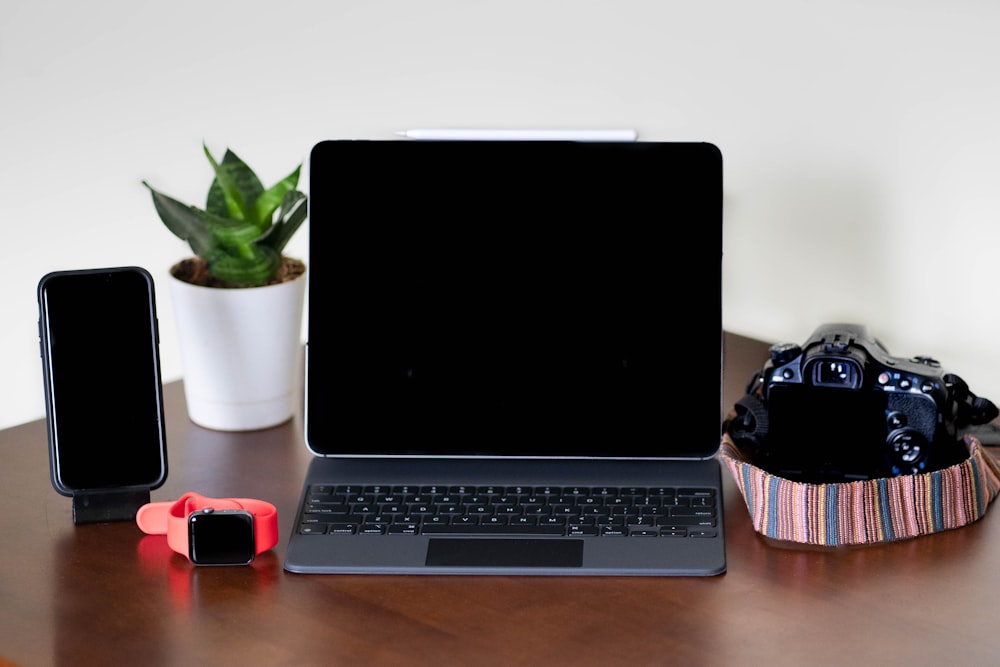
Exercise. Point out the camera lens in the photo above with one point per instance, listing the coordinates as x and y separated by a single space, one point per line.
836 373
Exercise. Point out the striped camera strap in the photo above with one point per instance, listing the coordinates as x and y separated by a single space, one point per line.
865 512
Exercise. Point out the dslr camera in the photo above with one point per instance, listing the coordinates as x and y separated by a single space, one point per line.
840 408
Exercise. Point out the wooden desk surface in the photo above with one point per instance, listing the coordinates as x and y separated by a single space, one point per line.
101 594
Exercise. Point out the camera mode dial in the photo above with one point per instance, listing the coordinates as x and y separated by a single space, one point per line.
906 449
782 353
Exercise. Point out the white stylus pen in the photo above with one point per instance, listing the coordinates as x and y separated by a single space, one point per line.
521 135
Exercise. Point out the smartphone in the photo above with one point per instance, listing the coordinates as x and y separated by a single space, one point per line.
103 392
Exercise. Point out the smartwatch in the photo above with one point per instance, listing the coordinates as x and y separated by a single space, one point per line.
213 531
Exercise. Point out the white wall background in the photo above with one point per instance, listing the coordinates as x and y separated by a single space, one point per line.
861 137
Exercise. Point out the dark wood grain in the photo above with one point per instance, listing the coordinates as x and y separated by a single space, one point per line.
106 594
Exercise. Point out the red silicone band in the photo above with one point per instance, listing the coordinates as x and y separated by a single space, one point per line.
170 518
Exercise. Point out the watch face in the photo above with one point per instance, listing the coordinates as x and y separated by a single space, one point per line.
221 537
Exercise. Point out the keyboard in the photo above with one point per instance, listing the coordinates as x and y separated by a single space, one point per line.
457 510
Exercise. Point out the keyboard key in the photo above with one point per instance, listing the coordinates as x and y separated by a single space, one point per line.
702 532
701 493
341 529
644 532
403 529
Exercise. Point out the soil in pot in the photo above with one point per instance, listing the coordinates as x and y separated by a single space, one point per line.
194 270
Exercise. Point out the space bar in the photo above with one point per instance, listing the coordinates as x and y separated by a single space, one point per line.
491 529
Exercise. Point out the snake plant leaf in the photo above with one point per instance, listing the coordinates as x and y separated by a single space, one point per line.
185 222
236 186
232 235
269 201
291 215
246 271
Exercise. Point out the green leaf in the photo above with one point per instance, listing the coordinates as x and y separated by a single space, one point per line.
244 272
185 222
268 201
291 214
236 236
238 185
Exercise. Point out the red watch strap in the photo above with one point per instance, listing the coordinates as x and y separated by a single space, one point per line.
265 522
170 518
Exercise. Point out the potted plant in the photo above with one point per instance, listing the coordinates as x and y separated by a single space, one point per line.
238 300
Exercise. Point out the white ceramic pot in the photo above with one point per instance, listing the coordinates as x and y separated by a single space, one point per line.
240 351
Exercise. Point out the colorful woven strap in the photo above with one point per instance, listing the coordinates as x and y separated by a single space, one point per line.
865 512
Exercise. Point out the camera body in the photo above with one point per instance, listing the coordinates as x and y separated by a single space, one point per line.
840 408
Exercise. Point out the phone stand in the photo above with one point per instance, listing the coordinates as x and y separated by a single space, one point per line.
108 505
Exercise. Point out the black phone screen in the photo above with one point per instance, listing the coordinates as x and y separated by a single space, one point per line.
100 354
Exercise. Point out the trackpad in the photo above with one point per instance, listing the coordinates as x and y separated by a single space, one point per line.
504 553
